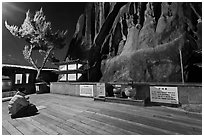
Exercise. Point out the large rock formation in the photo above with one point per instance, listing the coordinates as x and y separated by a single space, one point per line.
142 42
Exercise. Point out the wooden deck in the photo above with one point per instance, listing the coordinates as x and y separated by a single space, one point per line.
71 115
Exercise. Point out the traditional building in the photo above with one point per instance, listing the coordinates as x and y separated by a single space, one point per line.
25 76
71 70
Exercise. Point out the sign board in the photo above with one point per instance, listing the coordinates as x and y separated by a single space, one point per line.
101 89
164 94
86 90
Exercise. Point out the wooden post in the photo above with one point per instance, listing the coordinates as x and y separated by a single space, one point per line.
181 65
88 70
77 68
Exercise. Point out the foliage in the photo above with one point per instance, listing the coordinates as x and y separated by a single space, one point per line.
37 32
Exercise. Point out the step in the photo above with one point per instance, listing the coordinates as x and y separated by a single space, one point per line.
99 99
121 100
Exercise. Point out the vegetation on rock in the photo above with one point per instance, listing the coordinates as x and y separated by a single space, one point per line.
140 41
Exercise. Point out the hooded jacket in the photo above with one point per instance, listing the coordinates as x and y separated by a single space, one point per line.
17 103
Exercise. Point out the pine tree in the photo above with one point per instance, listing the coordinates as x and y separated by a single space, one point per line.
37 32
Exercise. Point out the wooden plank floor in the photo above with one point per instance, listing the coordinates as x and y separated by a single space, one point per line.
69 115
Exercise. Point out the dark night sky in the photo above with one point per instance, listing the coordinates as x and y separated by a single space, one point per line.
62 15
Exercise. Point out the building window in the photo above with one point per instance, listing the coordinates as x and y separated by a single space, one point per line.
18 78
62 77
72 77
72 67
79 75
27 78
71 70
79 65
63 67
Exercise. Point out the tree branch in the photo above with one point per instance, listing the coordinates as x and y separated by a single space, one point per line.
198 16
31 59
46 57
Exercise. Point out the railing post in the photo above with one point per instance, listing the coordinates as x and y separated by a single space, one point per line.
181 62
88 70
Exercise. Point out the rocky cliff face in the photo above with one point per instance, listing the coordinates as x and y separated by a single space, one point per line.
142 42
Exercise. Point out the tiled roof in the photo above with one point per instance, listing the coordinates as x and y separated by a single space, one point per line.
71 62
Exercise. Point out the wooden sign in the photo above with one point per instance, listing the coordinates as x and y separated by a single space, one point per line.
164 94
101 89
86 90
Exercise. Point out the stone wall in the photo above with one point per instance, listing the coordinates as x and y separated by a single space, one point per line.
187 94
